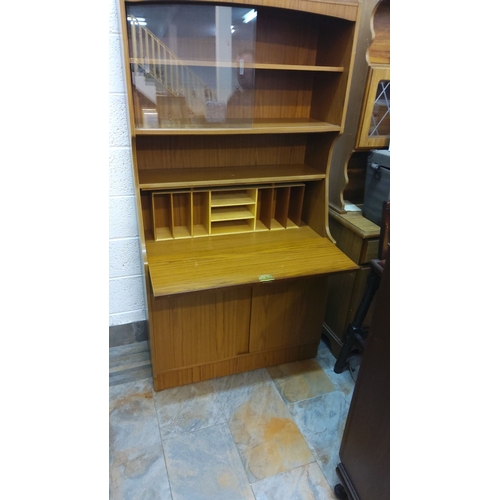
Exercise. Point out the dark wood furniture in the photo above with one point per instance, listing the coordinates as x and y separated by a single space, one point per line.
364 467
359 239
354 338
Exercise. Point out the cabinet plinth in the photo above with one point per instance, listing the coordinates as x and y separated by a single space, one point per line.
232 126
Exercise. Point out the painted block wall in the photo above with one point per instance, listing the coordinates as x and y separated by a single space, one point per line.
126 277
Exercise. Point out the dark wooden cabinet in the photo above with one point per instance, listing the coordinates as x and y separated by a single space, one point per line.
364 466
359 240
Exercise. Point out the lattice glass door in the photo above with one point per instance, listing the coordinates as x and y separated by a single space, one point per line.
374 130
380 121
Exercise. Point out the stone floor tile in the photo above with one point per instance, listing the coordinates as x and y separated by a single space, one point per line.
223 437
187 408
205 465
132 416
265 434
342 381
139 474
323 344
137 466
300 380
322 421
303 483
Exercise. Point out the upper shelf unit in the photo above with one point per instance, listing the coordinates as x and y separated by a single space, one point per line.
211 69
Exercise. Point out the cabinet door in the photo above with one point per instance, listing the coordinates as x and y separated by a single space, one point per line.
191 66
287 313
196 328
374 127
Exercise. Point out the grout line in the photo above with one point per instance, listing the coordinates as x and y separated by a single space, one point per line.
162 446
122 195
124 238
126 312
126 276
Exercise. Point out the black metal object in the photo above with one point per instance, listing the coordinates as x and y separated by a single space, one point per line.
355 333
340 492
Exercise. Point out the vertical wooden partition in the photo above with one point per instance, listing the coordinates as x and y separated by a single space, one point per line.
295 207
182 214
201 213
163 223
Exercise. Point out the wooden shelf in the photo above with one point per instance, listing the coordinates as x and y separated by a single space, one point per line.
259 126
180 266
199 230
182 232
231 198
231 227
357 223
258 66
231 213
173 178
163 233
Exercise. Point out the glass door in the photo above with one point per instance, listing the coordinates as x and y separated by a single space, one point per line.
192 66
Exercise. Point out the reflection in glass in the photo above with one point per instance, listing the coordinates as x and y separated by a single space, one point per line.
192 66
239 104
380 120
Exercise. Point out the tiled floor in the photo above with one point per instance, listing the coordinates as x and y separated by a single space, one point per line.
268 434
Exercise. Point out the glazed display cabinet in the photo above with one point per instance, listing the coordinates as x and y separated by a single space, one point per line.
234 111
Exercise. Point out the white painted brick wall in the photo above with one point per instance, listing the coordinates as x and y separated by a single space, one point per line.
126 277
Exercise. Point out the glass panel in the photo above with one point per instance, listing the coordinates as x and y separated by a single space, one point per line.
380 120
191 65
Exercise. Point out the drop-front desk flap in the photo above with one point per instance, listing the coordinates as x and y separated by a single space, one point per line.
194 264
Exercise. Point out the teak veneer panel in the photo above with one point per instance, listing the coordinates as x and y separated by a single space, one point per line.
184 151
215 262
238 364
225 176
380 48
259 126
287 313
218 330
343 9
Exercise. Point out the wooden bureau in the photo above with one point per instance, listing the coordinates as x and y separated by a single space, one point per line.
232 201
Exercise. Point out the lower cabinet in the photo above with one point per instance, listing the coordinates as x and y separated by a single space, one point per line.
202 335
